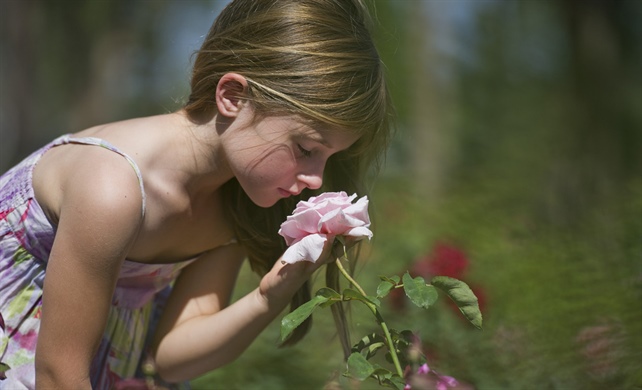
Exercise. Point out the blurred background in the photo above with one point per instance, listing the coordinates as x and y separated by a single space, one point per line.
517 167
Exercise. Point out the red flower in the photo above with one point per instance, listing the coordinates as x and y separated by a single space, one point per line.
444 260
448 260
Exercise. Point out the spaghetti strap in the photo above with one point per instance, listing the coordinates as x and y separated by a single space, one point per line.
27 237
102 143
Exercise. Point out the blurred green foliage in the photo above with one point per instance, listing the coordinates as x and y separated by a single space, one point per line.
519 142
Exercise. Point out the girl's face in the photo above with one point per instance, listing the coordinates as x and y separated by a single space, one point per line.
277 157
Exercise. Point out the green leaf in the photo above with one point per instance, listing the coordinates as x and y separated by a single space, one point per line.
388 378
371 343
394 279
374 300
329 293
349 294
384 288
463 296
418 291
382 374
294 319
359 367
373 348
368 341
397 382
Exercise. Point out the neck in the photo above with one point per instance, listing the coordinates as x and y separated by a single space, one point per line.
198 155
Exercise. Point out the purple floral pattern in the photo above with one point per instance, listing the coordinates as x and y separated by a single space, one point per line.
26 238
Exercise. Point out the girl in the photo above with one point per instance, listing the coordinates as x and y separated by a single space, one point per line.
120 244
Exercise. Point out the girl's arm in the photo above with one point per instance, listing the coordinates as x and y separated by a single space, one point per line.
99 209
199 332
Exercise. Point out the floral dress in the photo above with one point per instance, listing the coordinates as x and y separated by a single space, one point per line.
26 238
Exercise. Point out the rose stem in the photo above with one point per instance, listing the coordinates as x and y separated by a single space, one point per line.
375 311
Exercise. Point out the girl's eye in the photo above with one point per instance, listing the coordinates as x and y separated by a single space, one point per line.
304 152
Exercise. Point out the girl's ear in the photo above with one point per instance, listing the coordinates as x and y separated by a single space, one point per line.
230 93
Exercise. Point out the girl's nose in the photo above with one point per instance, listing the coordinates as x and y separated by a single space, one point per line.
312 181
311 173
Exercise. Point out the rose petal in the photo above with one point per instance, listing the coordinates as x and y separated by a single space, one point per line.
330 213
338 222
291 232
298 226
331 195
308 220
309 248
359 210
302 205
329 206
352 221
333 222
359 232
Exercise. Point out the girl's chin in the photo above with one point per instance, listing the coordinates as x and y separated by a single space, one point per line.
265 202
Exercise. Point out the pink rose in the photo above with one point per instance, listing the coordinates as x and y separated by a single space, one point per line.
327 215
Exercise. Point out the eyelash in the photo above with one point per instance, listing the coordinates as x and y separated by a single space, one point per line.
304 152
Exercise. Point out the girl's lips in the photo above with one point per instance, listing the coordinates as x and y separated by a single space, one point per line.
285 193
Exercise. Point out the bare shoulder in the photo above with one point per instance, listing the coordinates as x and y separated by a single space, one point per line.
90 180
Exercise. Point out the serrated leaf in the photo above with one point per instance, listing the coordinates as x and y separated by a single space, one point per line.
295 318
384 288
418 291
358 367
463 296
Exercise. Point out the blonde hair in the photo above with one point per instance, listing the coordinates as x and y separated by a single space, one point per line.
311 58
